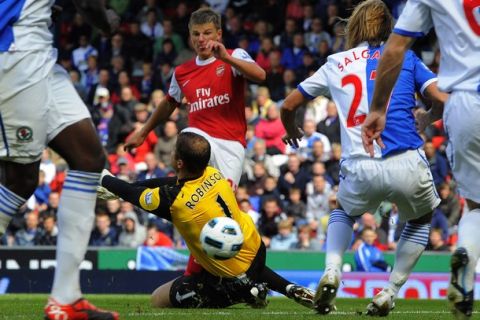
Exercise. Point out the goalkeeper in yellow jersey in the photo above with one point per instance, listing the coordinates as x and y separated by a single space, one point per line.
196 195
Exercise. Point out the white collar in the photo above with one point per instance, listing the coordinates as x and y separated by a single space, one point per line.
204 62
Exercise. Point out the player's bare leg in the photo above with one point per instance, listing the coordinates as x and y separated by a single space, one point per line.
463 263
18 182
161 296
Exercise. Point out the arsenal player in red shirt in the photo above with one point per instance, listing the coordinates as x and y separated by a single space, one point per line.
213 84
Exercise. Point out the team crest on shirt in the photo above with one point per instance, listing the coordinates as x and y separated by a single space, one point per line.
220 70
148 198
24 134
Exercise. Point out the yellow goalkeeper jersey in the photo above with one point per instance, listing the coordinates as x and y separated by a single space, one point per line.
190 204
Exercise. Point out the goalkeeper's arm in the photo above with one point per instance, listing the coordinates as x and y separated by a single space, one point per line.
124 190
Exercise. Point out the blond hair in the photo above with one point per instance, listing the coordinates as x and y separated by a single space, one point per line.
370 21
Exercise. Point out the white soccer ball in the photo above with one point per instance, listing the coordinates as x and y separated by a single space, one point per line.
221 238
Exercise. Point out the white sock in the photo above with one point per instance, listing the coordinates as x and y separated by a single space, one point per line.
469 238
339 237
75 223
9 204
412 243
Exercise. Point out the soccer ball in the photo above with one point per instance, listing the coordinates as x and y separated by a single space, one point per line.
221 238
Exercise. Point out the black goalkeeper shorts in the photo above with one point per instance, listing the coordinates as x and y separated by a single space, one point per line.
204 290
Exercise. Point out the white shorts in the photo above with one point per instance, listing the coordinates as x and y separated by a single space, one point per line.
226 155
462 123
404 179
32 117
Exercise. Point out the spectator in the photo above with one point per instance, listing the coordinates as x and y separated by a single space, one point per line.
47 235
438 164
260 155
103 82
368 221
180 22
42 192
75 77
150 5
308 66
391 224
103 115
90 75
119 126
166 55
317 35
369 258
262 102
305 240
141 116
123 96
330 127
133 233
285 39
153 171
138 45
268 223
317 204
289 81
151 27
339 37
285 239
308 17
53 202
156 238
275 76
294 176
436 242
103 235
271 130
145 84
82 52
246 207
168 33
262 58
292 56
333 165
47 165
255 185
305 145
166 144
26 236
270 191
439 221
323 52
449 204
296 209
78 29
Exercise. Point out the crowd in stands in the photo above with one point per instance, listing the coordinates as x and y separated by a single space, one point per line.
288 192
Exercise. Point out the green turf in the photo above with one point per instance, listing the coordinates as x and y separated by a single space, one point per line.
28 306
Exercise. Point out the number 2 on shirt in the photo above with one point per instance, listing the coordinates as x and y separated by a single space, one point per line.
469 6
352 119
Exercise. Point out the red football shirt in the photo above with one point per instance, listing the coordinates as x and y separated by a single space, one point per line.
215 93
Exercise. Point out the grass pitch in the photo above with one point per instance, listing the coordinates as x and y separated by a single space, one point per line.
30 306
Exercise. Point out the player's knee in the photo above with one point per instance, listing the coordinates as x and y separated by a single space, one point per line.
159 299
90 163
20 179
